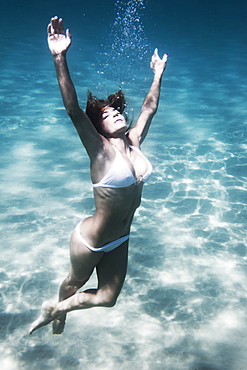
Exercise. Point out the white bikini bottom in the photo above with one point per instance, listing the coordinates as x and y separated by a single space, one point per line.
107 247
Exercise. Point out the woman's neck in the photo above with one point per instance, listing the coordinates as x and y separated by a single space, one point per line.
121 143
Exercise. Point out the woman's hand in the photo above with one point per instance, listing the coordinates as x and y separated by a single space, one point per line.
158 65
58 42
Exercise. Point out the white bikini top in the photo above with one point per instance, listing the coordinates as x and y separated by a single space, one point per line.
120 175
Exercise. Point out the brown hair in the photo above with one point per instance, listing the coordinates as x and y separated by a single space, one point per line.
95 107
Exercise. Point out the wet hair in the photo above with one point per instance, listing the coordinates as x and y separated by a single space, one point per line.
96 106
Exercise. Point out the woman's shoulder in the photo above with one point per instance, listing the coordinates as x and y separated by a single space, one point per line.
133 139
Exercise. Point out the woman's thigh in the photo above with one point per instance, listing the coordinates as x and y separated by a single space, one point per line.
82 260
111 270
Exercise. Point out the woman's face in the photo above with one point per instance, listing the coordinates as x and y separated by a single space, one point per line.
112 121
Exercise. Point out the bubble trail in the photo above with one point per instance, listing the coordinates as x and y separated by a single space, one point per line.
128 31
128 46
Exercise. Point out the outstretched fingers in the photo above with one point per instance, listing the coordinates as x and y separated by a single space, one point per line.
157 64
165 57
156 55
68 34
55 26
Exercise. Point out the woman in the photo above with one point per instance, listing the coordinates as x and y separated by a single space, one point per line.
118 172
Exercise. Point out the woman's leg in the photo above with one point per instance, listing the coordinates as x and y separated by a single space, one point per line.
82 264
111 272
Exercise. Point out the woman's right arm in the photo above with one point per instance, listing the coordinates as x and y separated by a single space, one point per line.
59 44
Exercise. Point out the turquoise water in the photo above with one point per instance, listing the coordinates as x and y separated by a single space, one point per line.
183 305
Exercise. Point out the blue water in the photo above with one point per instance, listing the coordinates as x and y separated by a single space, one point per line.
183 305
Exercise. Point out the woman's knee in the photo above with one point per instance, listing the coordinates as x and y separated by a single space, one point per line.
107 299
75 283
110 303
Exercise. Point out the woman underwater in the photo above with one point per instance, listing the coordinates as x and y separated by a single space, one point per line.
118 172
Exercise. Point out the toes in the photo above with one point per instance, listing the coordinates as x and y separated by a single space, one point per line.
58 326
45 317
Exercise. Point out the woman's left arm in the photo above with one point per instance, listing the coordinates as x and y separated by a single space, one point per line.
151 102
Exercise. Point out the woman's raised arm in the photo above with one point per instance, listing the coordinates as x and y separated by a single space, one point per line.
59 43
151 101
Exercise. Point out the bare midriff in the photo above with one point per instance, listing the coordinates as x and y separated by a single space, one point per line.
114 213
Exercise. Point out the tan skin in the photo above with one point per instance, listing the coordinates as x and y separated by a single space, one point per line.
115 208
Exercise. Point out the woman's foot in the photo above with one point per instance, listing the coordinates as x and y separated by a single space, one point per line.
58 324
45 318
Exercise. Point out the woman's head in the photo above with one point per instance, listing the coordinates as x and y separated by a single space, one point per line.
95 107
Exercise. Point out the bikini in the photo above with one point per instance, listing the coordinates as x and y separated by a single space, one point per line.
119 176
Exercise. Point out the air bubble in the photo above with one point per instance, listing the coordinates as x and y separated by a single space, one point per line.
125 55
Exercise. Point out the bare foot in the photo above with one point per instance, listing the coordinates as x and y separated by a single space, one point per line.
58 324
45 318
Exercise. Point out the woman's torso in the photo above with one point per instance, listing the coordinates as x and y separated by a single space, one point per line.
116 202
